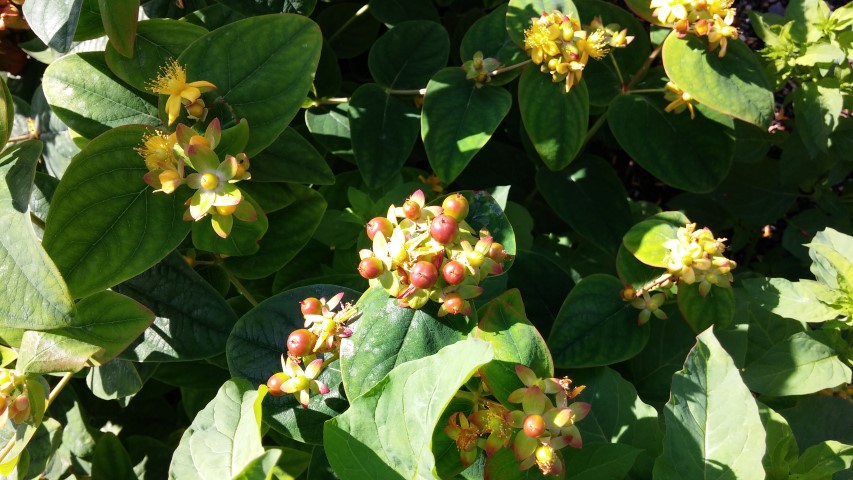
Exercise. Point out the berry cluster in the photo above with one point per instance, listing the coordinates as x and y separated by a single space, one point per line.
540 428
14 397
711 18
423 253
324 329
562 47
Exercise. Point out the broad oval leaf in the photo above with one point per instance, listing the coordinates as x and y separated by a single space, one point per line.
796 300
409 54
713 429
266 69
634 272
110 459
254 350
54 22
119 18
600 460
116 379
555 121
717 308
49 352
329 125
261 7
734 85
689 154
7 114
489 36
384 129
192 319
387 335
596 327
645 240
244 237
90 99
105 225
393 12
520 12
291 158
387 432
458 118
34 295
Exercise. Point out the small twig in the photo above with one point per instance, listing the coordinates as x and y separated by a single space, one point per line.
240 288
349 22
595 127
37 221
498 71
641 73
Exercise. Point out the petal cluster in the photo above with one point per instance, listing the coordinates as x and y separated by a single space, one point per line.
172 81
695 256
708 18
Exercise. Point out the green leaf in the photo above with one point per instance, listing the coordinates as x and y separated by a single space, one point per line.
796 300
7 114
766 329
520 12
645 239
351 33
329 125
484 211
290 230
458 119
618 416
157 41
817 106
781 453
830 251
117 379
262 7
244 238
387 335
717 308
119 19
59 147
807 15
489 36
734 85
805 363
387 432
713 429
34 294
595 326
90 99
822 461
587 191
240 74
254 350
105 225
599 460
658 141
408 55
394 12
261 467
192 319
224 437
291 158
816 418
503 323
555 121
634 272
384 130
54 22
48 352
111 459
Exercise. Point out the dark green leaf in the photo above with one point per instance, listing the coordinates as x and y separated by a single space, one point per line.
458 119
555 121
244 238
111 459
119 19
7 114
330 127
90 99
717 308
262 7
291 158
634 272
599 460
595 326
59 147
54 22
781 451
105 224
394 12
117 379
822 461
489 36
645 239
816 418
409 54
347 28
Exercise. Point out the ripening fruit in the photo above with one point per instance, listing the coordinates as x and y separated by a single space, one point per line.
301 342
475 258
411 210
453 272
275 382
379 224
456 206
371 267
443 229
497 252
423 275
533 425
311 306
454 304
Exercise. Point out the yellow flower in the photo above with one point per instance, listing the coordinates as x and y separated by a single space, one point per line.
539 41
718 33
172 81
679 100
158 150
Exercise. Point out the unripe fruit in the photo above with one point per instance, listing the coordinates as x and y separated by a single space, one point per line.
311 306
225 209
533 425
301 342
443 229
456 206
275 382
411 210
423 275
497 252
371 267
454 304
209 181
453 272
379 224
475 258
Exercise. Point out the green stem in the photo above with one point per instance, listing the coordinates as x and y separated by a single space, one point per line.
641 73
420 91
331 101
359 13
36 220
332 358
618 71
498 71
240 288
470 396
648 90
595 127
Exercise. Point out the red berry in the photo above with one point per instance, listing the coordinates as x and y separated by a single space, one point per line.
411 210
371 267
456 206
379 224
443 229
497 252
423 275
275 382
301 342
534 425
453 272
311 306
454 304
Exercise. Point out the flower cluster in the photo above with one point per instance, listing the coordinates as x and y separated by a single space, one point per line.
537 431
166 157
711 18
480 69
14 397
423 253
324 329
696 256
562 47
